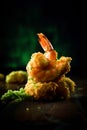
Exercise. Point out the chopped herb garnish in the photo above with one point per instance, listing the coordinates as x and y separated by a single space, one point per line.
17 95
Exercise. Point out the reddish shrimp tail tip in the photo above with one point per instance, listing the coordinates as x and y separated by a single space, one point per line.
44 42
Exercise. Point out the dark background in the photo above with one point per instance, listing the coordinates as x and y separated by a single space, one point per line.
63 22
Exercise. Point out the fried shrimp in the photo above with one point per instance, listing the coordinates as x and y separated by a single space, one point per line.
46 73
40 69
41 90
50 90
46 67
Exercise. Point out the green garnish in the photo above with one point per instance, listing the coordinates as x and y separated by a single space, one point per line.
17 95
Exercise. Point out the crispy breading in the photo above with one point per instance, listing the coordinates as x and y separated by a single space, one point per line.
46 73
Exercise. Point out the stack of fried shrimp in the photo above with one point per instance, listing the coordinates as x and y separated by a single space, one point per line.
47 74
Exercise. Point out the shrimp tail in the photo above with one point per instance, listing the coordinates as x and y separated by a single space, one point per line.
50 53
44 42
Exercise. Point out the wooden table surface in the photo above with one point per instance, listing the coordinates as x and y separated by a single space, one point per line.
55 115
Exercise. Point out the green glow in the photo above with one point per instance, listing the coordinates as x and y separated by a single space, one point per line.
23 41
21 46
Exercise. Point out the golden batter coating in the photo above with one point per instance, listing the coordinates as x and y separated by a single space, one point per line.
46 73
41 90
43 70
50 90
66 87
